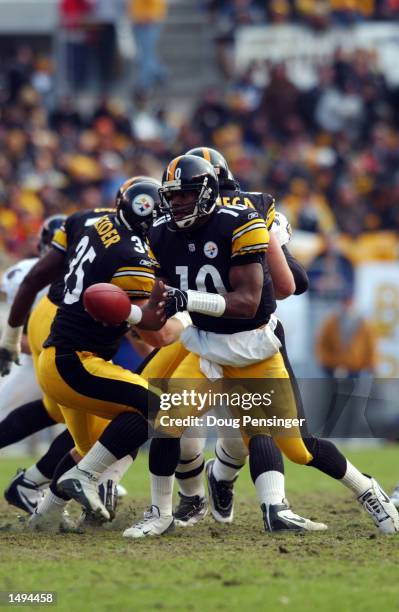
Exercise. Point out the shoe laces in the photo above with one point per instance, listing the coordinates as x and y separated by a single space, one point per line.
187 503
224 492
149 515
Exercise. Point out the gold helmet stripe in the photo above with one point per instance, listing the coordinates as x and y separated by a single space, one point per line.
172 168
206 154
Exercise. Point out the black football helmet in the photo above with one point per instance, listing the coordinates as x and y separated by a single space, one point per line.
137 203
47 231
189 173
225 177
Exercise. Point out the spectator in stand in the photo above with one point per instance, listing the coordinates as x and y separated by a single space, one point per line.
346 345
280 100
148 18
331 274
106 13
74 18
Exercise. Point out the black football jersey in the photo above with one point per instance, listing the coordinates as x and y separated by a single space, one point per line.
264 203
105 252
72 229
201 260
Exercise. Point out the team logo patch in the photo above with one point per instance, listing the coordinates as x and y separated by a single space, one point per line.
143 205
211 250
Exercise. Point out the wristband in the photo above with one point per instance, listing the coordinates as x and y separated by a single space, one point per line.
11 338
136 314
211 304
184 318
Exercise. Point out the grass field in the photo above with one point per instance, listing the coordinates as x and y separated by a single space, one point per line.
216 567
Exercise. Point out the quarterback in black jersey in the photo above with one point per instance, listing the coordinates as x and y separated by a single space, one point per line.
215 256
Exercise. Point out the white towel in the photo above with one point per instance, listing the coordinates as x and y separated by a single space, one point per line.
238 350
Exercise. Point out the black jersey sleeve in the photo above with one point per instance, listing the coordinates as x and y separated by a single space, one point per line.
300 277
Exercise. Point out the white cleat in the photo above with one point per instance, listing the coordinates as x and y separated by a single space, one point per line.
279 517
395 496
381 509
152 525
82 486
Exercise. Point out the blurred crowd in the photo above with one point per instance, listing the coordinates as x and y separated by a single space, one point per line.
329 154
318 14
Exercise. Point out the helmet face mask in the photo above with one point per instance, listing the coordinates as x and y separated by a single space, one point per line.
137 202
189 191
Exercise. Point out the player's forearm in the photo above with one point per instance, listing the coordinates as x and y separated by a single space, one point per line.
298 271
283 279
169 333
47 269
23 301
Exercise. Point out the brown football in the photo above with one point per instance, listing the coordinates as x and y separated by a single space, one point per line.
107 303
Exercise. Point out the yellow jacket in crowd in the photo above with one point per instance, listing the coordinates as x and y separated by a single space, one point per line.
354 353
146 11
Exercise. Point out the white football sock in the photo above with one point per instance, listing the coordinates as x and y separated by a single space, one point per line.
355 480
226 466
97 460
193 485
162 493
35 475
270 487
117 470
50 503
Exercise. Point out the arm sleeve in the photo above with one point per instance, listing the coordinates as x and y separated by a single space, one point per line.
60 238
299 273
137 281
249 239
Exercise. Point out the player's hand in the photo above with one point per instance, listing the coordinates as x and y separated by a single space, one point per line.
176 301
154 316
7 358
281 228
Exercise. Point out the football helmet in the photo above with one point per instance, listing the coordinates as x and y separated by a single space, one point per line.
195 180
137 203
47 231
225 177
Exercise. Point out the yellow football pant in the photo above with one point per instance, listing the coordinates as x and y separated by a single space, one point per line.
39 325
284 405
87 387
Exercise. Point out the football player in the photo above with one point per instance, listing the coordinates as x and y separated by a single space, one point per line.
231 452
216 256
21 396
120 234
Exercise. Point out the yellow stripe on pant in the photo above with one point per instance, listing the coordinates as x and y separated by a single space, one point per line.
39 325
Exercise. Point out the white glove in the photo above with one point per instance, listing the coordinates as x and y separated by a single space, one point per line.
10 348
281 228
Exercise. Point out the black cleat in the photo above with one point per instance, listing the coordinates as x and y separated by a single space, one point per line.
190 510
23 493
221 495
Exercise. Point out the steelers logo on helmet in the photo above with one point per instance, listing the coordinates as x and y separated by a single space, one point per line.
189 191
143 204
136 204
